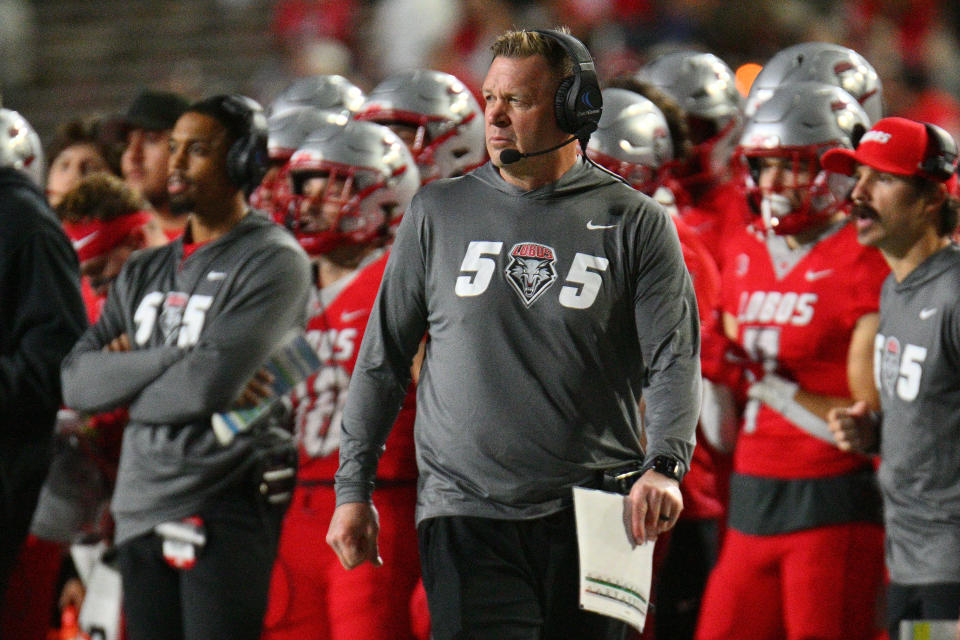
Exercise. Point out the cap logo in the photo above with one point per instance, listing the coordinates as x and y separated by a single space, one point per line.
880 137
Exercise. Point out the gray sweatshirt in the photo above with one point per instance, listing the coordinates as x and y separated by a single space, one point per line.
917 366
549 312
199 328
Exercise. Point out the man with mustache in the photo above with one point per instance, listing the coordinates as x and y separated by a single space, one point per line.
905 204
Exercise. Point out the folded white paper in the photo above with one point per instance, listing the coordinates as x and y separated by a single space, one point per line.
928 629
615 573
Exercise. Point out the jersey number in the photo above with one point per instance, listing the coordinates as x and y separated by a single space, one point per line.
582 286
896 372
190 321
762 344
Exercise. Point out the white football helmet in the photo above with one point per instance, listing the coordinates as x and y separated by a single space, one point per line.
328 92
448 120
820 62
632 139
379 178
800 122
706 88
20 146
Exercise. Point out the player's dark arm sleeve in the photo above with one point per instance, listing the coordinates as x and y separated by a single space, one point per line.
269 300
95 380
669 332
43 284
382 373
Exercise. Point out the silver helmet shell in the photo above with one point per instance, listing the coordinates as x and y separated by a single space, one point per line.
379 178
706 89
820 62
448 119
286 131
800 122
20 146
632 139
329 92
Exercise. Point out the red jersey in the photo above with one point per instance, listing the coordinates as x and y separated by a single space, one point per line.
718 214
796 313
703 271
701 499
335 331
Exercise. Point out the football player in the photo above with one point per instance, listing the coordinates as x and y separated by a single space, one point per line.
705 87
351 182
819 62
802 555
633 139
287 131
435 115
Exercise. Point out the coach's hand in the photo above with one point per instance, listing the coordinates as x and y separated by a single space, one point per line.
353 533
654 505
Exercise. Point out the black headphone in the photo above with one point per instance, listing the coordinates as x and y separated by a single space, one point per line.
247 159
940 157
578 102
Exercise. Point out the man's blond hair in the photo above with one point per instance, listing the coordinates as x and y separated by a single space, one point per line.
523 44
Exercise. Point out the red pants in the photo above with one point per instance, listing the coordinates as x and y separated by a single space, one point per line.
313 596
32 592
821 584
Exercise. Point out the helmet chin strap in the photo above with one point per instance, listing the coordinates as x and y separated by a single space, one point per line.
773 207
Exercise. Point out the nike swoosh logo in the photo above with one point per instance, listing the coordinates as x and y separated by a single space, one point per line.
85 240
594 227
811 275
350 316
926 313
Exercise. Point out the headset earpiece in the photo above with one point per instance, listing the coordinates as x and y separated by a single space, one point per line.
247 158
577 103
940 156
560 105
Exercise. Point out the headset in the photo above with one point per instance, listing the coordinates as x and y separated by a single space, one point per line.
247 159
940 157
577 103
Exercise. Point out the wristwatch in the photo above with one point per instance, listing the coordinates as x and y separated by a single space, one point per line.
665 465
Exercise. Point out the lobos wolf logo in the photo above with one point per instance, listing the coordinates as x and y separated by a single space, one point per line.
531 270
171 317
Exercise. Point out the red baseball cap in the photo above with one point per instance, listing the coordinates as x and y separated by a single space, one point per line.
892 145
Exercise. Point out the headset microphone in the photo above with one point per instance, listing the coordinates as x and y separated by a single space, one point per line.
509 156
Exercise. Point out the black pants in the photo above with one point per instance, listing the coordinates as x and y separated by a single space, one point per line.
507 580
23 468
223 596
681 581
921 602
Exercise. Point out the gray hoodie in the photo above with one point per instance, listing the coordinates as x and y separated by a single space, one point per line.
199 328
548 312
